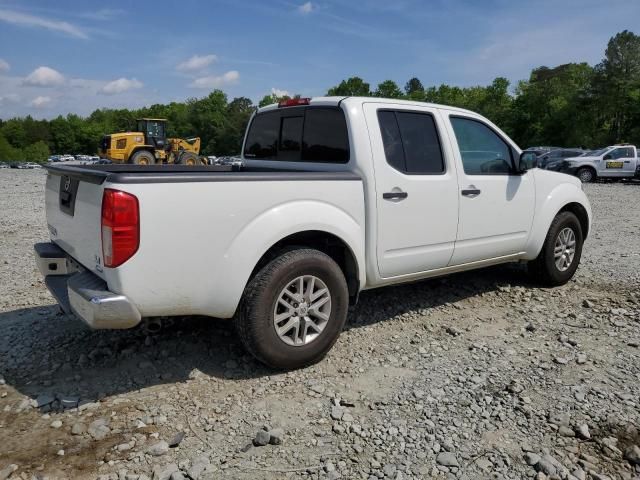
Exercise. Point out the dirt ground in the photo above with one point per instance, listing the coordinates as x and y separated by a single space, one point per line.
477 375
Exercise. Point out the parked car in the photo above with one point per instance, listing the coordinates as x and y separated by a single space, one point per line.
552 160
615 161
336 195
4 165
32 165
540 150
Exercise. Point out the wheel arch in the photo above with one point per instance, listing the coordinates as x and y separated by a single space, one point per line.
581 213
326 242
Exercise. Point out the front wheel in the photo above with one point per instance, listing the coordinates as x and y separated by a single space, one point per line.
586 175
143 157
558 260
293 309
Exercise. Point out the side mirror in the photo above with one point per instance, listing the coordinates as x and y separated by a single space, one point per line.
608 156
527 161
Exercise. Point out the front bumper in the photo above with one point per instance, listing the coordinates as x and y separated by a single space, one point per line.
82 293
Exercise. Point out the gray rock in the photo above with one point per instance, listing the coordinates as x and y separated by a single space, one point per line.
165 472
453 331
158 449
583 432
177 476
546 466
276 436
56 424
581 358
176 439
566 431
78 428
632 454
198 466
447 459
99 428
261 439
337 412
8 471
531 458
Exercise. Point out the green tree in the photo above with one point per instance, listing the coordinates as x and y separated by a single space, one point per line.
388 89
413 88
352 87
36 152
8 152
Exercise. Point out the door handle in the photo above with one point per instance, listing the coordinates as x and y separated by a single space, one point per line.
394 195
470 192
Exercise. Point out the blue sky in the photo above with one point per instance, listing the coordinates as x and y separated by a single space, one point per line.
76 56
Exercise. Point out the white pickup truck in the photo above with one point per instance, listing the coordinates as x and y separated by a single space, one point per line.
616 161
336 195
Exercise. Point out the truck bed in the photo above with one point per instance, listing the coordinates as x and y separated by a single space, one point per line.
126 173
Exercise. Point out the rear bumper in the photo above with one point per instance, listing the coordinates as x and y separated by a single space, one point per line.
82 293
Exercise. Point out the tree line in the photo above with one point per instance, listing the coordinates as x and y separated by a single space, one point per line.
575 104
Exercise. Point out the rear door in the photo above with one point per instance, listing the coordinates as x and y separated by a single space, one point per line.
416 189
496 204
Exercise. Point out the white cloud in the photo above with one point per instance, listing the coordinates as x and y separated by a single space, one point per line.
197 62
120 85
306 8
40 102
4 66
27 20
280 93
213 81
44 77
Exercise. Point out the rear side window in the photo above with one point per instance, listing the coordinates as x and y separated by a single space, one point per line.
299 134
411 142
482 150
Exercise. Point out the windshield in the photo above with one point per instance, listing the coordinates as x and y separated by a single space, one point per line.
598 153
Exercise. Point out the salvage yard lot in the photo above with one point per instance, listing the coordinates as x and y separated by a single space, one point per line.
479 375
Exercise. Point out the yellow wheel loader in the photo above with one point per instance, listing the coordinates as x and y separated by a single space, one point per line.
149 145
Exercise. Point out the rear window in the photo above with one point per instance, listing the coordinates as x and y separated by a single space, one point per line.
299 134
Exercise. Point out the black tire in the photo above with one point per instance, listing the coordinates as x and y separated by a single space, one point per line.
254 320
188 158
142 157
544 268
586 174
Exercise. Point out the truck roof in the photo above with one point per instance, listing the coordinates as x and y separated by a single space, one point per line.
335 101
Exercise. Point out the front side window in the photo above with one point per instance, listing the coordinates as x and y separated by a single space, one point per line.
299 134
482 150
411 142
625 152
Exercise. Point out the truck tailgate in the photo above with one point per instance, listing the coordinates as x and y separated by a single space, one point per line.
73 207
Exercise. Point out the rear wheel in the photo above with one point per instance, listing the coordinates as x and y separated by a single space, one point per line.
293 309
586 175
560 255
143 157
188 158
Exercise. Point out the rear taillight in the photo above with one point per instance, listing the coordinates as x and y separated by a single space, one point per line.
120 227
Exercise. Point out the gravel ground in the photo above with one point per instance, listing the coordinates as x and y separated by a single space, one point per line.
478 375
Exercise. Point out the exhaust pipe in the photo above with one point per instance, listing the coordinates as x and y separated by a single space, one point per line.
152 325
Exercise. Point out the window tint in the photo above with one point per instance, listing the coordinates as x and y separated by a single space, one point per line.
483 152
309 134
391 139
262 139
325 137
290 138
411 143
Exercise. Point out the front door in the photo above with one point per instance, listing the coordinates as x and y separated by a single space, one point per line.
416 189
496 203
619 162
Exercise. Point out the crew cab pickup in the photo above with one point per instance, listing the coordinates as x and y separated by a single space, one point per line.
334 196
616 161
